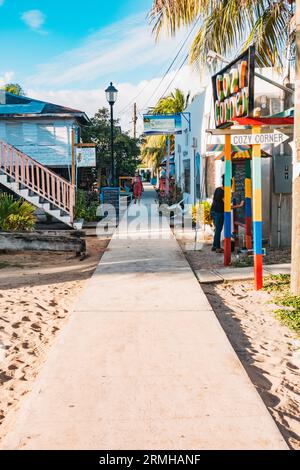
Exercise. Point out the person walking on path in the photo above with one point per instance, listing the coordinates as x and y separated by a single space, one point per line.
137 186
217 215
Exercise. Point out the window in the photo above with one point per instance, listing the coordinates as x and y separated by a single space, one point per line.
187 175
197 175
46 134
187 138
14 133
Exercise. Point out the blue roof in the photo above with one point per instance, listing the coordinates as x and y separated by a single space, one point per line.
12 105
31 108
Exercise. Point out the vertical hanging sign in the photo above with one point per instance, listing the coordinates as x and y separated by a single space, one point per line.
233 89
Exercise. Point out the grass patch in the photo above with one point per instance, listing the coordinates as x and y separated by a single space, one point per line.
6 264
242 262
289 311
3 264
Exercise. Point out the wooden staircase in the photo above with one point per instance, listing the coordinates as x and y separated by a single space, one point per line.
37 184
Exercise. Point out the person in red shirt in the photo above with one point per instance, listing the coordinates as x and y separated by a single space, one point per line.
137 186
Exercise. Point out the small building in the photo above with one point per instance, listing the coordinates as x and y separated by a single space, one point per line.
41 130
190 148
198 171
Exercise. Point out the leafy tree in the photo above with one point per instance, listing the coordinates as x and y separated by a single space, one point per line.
127 150
227 26
14 88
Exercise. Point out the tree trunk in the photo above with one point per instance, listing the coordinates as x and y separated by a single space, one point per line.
295 277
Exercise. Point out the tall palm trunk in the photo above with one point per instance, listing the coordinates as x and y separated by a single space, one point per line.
295 278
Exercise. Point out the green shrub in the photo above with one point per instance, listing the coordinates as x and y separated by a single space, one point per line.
201 213
86 205
289 305
16 215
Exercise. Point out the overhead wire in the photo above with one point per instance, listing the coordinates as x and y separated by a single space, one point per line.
125 108
174 60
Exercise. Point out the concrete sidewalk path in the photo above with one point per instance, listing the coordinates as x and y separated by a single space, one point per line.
143 363
206 276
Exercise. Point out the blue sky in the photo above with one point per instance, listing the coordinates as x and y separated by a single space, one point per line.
65 25
67 52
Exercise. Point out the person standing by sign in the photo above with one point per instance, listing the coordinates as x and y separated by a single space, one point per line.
217 215
137 187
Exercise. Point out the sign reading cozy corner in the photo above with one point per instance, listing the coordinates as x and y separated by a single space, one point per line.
233 89
159 124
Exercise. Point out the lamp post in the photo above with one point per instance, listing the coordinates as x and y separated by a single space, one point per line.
111 96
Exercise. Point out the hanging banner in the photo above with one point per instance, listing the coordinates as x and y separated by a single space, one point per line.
86 157
160 124
233 89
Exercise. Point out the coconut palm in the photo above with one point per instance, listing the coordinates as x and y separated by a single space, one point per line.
174 103
228 26
13 88
154 147
153 150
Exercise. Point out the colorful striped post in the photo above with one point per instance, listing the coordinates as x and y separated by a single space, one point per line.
257 212
248 204
227 201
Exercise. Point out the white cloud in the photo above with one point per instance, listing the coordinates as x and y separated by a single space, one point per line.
1 2
90 100
120 49
7 77
121 52
35 19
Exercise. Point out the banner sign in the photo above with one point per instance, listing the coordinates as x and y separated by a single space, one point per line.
160 124
233 89
86 157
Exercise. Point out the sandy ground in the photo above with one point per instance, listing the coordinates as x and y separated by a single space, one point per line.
204 258
37 293
269 351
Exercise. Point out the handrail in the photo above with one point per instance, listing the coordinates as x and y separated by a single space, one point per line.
32 174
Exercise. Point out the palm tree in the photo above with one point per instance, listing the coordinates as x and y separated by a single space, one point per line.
295 271
175 103
228 26
13 88
153 150
154 147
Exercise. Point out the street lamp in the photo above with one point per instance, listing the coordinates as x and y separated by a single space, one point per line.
111 96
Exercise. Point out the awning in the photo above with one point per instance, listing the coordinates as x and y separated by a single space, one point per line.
220 148
242 155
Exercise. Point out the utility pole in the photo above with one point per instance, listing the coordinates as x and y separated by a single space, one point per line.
134 120
295 273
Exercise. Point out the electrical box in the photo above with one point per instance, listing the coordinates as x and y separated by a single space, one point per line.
283 174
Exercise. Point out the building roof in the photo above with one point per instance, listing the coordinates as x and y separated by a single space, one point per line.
22 106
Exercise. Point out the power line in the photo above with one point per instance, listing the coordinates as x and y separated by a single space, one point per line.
174 60
177 71
165 74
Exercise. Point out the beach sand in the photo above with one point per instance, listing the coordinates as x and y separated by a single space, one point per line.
269 351
37 293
